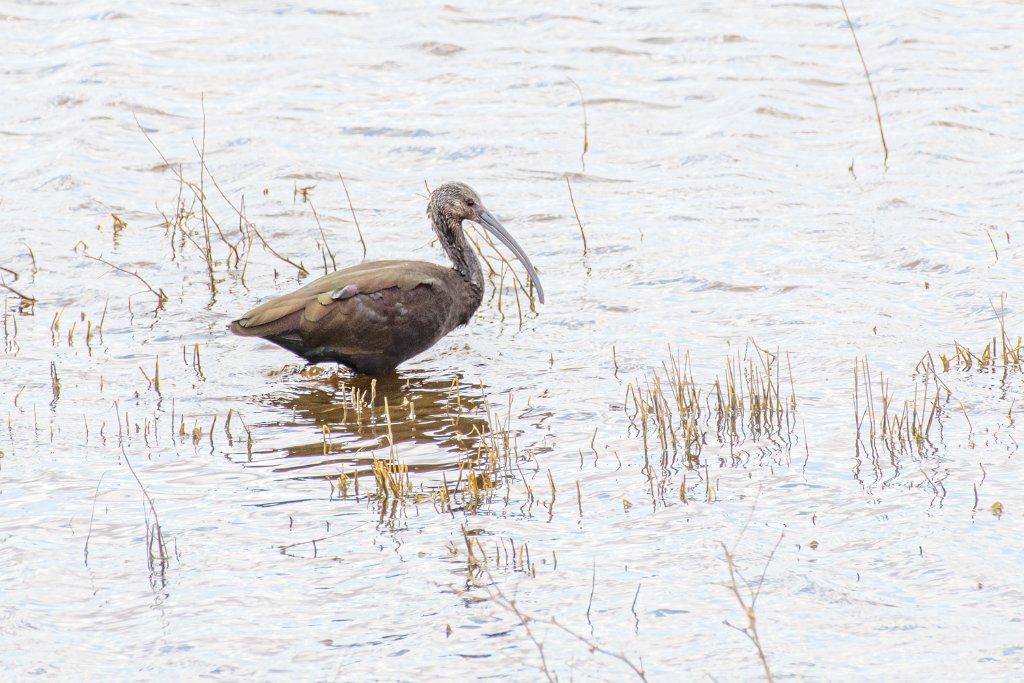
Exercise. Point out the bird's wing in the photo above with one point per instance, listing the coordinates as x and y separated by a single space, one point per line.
383 327
314 302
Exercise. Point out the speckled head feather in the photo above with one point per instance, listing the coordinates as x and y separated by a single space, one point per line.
453 203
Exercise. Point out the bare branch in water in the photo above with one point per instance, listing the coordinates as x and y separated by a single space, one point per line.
748 603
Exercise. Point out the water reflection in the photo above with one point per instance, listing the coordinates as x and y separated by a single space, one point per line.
358 419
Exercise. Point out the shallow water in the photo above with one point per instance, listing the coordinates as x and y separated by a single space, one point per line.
733 189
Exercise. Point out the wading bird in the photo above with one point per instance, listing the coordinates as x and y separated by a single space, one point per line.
373 316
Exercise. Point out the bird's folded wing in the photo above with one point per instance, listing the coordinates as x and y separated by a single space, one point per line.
317 297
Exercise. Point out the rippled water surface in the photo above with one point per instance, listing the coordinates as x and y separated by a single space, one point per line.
177 503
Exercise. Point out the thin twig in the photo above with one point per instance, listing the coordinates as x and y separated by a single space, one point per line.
760 581
638 669
871 87
527 289
303 271
525 620
285 548
159 294
750 630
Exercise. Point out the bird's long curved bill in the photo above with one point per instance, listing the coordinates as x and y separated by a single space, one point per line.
494 227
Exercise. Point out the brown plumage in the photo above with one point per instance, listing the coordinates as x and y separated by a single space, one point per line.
373 316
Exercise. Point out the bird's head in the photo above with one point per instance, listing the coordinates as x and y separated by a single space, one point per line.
455 201
452 203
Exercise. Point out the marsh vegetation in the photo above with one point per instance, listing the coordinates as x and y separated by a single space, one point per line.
766 419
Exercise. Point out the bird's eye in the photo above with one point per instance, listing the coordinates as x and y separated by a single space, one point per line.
470 202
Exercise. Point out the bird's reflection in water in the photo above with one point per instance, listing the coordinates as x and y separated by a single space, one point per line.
359 419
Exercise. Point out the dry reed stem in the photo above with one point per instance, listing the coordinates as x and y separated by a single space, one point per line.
92 515
202 195
572 200
31 255
158 558
992 242
323 236
519 285
871 87
24 297
593 589
351 208
586 144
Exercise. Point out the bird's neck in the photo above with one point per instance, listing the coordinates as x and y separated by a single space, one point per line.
463 257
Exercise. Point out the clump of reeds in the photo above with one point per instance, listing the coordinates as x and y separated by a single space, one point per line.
883 424
675 416
1001 351
194 222
485 470
751 396
487 466
504 554
392 478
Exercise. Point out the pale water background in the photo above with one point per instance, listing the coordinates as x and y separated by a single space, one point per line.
733 189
